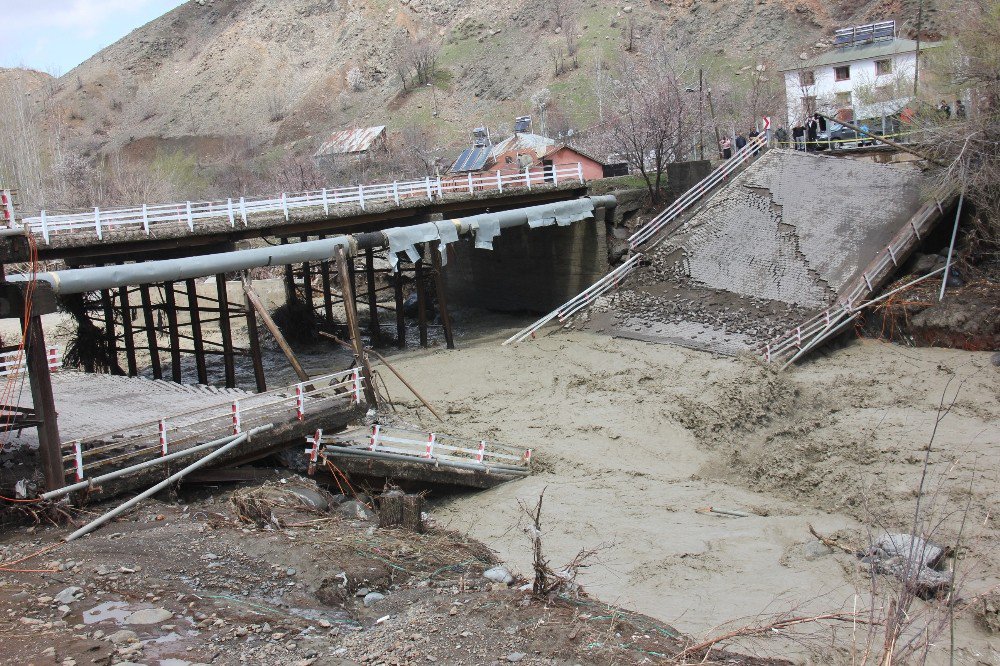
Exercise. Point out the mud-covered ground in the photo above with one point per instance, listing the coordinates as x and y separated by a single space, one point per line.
189 580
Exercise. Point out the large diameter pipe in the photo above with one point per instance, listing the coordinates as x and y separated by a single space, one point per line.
125 471
82 280
94 524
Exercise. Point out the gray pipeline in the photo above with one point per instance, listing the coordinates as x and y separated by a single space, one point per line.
484 227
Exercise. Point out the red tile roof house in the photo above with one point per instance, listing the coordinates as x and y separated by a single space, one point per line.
533 153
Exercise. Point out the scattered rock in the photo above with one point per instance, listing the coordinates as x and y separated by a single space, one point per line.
356 511
499 574
515 657
149 616
69 595
373 598
815 550
123 637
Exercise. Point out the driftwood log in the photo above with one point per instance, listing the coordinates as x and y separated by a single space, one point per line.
395 509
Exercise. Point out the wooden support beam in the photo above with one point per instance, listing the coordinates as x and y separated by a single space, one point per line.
226 329
421 301
352 324
199 345
127 334
110 336
400 318
373 325
253 341
269 324
44 404
442 298
290 295
170 294
151 342
307 278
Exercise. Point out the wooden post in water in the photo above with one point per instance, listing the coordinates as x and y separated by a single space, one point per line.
49 448
290 295
226 329
253 341
151 342
255 303
376 331
175 338
127 337
352 325
400 319
307 279
442 299
110 336
199 343
421 300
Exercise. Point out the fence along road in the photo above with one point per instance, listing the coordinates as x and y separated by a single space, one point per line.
147 218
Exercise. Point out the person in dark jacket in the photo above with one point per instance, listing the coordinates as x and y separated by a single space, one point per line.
812 131
799 137
741 142
753 136
781 136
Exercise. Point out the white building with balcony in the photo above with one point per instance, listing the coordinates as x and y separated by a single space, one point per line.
867 75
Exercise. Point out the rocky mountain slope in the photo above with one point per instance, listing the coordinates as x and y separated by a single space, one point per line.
281 72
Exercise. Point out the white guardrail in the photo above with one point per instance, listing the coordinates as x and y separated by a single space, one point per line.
643 235
436 448
175 433
795 343
14 363
147 218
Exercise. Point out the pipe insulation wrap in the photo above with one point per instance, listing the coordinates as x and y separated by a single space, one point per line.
486 227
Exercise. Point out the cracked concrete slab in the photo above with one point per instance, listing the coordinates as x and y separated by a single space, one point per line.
767 251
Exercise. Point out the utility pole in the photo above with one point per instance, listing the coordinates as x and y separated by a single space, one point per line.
701 113
916 60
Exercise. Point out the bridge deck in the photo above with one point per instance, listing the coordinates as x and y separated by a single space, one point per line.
189 225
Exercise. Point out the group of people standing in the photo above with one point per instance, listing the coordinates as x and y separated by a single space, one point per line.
726 144
803 137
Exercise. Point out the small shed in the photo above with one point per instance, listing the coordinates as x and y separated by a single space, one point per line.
358 141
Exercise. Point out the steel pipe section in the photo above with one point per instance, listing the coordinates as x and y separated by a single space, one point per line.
81 280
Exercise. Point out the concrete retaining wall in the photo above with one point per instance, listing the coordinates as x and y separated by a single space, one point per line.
528 270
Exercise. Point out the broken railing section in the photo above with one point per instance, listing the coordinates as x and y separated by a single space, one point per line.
404 445
656 230
796 343
156 441
148 218
14 363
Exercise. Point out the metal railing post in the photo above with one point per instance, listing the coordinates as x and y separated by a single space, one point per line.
97 224
243 211
190 218
555 174
527 176
499 182
470 182
145 219
326 203
229 209
395 192
440 191
579 171
284 205
427 184
45 229
361 196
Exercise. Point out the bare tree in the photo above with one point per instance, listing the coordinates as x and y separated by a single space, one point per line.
540 102
651 121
